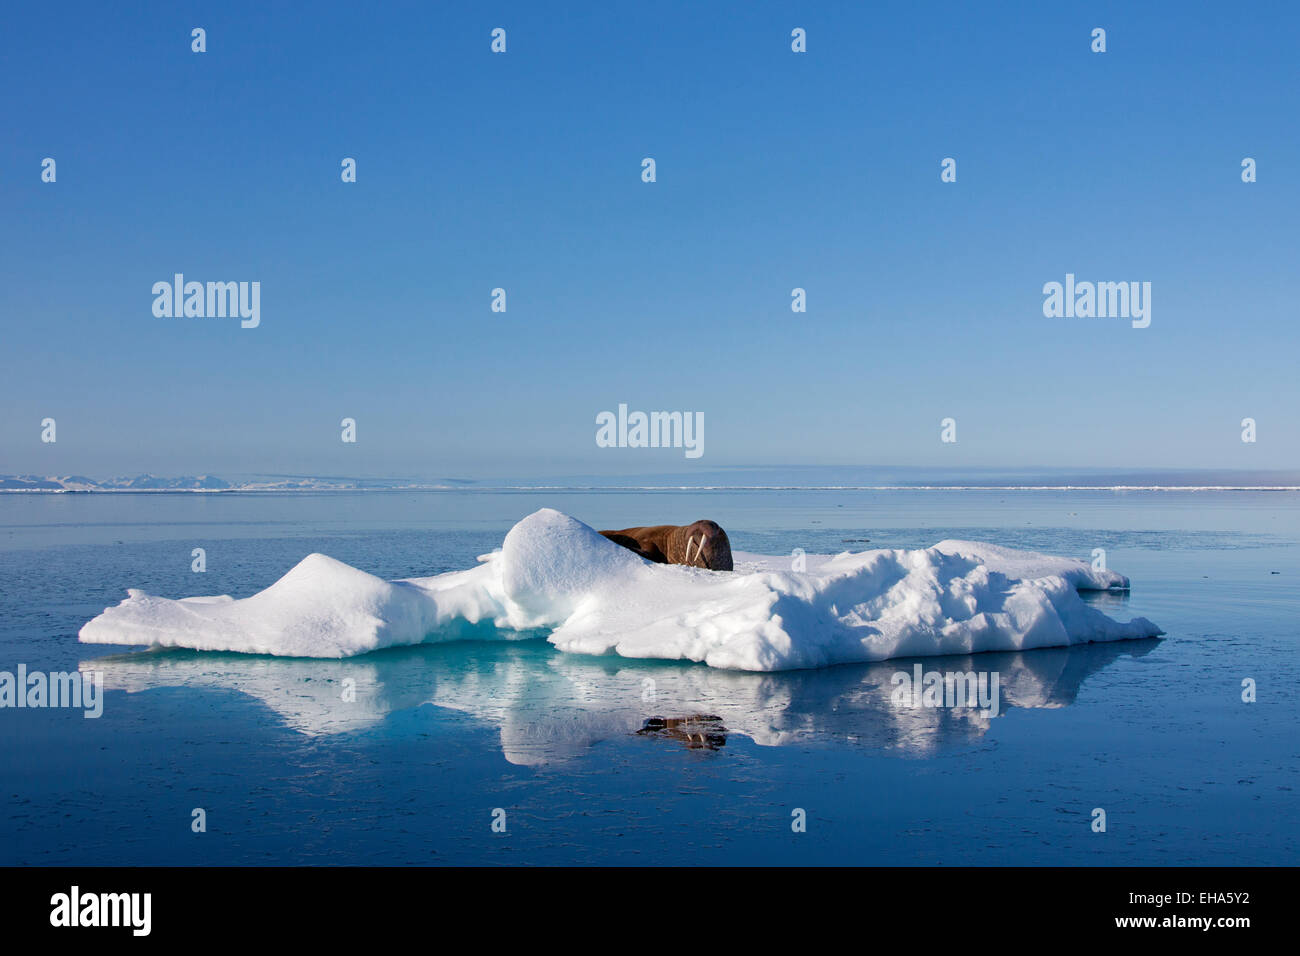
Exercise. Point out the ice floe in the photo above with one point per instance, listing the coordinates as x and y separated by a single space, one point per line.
556 577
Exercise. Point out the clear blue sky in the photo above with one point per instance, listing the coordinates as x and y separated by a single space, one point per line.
523 170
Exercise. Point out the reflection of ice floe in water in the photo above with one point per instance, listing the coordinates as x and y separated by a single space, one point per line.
550 707
556 577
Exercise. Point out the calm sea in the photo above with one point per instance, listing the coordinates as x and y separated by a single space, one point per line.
443 741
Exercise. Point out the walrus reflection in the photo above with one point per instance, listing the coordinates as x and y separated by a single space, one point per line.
697 732
701 544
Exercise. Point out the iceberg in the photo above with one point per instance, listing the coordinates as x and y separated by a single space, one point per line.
557 577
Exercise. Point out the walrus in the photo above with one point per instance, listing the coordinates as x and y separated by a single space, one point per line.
702 544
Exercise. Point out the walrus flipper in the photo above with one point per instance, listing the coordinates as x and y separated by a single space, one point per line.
648 551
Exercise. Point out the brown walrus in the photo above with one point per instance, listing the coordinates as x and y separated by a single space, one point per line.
702 544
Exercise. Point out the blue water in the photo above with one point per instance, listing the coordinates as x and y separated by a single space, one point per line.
1154 732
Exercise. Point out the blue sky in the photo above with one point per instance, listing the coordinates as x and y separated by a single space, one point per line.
523 171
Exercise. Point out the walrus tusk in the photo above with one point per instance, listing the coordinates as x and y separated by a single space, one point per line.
690 541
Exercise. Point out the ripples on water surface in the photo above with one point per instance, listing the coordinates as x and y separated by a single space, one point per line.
617 761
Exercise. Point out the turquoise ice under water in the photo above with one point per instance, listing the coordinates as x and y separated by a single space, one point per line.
1155 732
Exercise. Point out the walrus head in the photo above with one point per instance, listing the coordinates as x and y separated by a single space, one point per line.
702 544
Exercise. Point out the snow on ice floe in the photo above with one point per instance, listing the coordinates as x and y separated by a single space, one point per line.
556 576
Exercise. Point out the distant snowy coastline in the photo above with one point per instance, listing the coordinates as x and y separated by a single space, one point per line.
208 484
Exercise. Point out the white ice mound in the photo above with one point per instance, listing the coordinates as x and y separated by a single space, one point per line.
555 574
321 608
